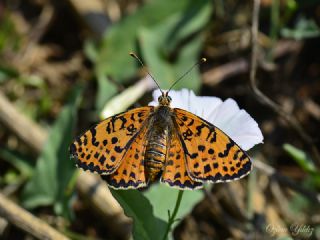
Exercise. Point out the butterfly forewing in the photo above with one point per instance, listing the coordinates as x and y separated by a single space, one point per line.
102 148
210 154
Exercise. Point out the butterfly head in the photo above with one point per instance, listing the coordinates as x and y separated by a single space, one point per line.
164 99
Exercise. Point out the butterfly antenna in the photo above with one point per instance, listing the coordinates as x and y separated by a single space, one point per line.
139 60
202 60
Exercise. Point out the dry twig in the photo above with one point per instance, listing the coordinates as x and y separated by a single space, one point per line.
26 221
28 131
216 75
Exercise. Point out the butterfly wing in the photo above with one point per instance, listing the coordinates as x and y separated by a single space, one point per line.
131 172
175 173
102 148
210 154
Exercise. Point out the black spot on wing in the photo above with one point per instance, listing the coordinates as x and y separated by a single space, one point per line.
211 151
227 150
201 148
133 175
177 175
193 155
199 129
207 168
85 141
190 123
102 159
124 120
78 140
114 140
112 158
118 149
235 156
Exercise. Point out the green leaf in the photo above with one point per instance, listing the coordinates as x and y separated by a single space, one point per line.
167 73
163 198
146 226
182 18
168 38
105 91
300 157
303 160
305 28
121 38
54 169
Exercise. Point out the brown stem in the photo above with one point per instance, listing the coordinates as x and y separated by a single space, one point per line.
26 221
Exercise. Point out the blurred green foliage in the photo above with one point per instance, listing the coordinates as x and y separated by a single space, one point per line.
280 17
307 164
6 73
164 198
146 225
8 40
299 203
160 32
304 28
54 170
149 209
8 35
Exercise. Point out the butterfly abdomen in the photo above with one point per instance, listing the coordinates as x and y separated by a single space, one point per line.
156 149
155 157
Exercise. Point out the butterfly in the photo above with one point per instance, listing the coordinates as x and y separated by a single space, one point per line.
134 148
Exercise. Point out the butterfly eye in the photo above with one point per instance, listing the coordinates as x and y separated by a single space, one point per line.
169 98
159 98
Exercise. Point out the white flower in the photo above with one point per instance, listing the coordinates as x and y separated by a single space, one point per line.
226 115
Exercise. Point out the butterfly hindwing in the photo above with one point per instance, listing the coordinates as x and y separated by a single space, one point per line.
131 172
102 148
210 154
175 172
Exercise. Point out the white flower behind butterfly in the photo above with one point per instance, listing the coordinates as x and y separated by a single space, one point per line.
226 115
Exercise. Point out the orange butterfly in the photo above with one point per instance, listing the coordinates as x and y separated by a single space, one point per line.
134 148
